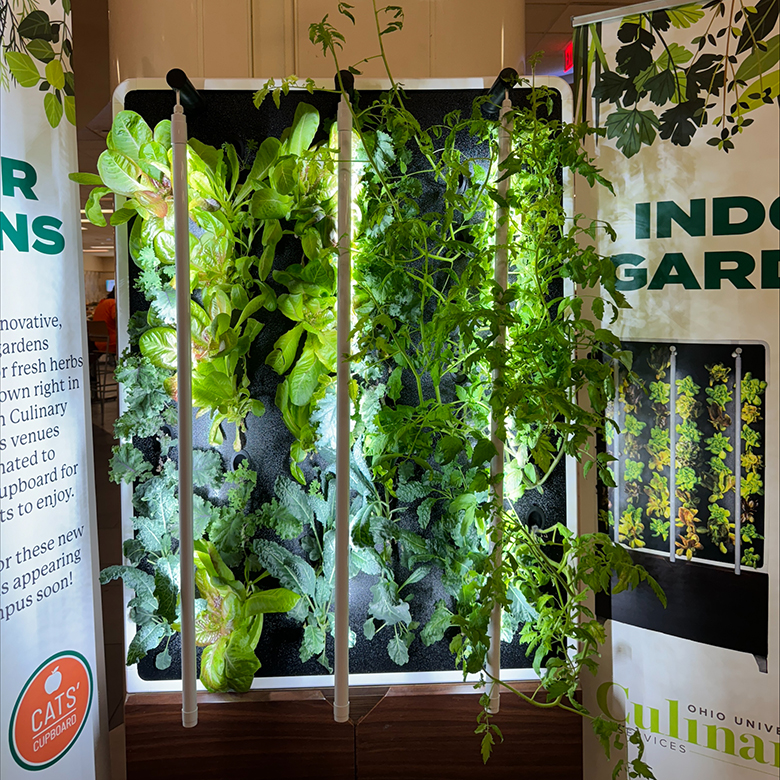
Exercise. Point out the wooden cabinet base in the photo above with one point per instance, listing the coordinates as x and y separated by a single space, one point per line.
401 733
427 733
258 735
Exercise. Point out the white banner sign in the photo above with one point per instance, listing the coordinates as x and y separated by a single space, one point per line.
688 97
51 707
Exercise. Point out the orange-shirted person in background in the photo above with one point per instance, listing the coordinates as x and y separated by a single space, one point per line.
105 311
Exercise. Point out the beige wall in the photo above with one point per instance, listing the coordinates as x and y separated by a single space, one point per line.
270 38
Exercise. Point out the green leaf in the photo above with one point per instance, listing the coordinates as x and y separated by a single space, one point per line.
207 469
203 512
152 157
128 464
166 588
424 512
632 128
387 607
759 62
398 651
212 665
139 581
264 160
162 133
55 75
269 204
448 448
311 243
89 179
163 660
151 532
209 155
36 25
394 383
119 173
304 128
240 662
226 531
146 638
294 499
41 50
291 571
313 642
122 215
22 68
435 628
285 175
69 102
274 600
156 498
283 354
159 346
93 209
365 559
484 451
305 376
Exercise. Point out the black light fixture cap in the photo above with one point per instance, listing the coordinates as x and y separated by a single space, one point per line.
191 99
345 78
505 81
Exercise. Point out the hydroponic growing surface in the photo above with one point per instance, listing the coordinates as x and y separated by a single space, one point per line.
268 440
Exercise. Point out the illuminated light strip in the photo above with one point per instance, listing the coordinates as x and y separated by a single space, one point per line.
672 452
343 421
616 489
737 354
189 671
497 464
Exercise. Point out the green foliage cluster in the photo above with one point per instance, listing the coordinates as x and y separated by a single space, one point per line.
231 204
429 372
659 87
720 478
752 484
703 460
229 612
428 319
32 40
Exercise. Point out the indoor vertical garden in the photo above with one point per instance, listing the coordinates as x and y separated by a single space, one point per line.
428 373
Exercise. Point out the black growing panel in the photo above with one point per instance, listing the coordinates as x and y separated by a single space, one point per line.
231 117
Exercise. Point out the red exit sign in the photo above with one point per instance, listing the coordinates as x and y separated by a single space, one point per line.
568 57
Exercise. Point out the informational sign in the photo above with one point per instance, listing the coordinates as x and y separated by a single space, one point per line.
687 96
50 667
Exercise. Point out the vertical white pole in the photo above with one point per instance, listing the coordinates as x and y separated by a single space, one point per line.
738 461
343 443
672 452
616 462
189 698
497 464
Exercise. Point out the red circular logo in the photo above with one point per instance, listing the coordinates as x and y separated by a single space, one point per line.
51 711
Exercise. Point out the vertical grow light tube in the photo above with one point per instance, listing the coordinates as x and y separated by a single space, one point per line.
737 355
189 695
672 450
497 464
343 443
616 489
